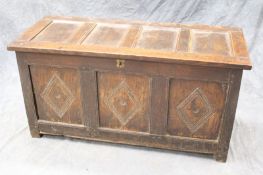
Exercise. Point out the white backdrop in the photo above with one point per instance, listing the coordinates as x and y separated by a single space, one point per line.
19 153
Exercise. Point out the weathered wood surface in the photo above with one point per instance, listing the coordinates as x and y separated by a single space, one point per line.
123 89
162 42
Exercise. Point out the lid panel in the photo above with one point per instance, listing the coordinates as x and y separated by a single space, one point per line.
107 35
211 42
158 38
162 42
58 31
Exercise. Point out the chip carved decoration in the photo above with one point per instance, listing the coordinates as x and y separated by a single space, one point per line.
123 103
192 114
57 95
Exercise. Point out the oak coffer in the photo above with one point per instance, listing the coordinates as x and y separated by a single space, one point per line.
160 85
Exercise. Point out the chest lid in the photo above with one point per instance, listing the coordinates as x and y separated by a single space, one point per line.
161 42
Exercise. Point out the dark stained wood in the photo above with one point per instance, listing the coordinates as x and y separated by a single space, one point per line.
124 101
91 97
85 81
28 93
135 67
159 105
195 108
167 86
56 128
131 138
57 94
229 115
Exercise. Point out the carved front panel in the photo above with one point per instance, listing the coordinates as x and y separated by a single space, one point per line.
195 108
123 101
57 93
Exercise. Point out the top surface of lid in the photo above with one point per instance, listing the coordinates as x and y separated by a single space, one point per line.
163 42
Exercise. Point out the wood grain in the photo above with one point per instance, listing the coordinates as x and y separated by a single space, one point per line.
229 115
191 44
124 101
159 105
28 93
158 88
159 85
195 108
57 93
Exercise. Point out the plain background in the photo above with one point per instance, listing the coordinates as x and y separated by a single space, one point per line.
20 154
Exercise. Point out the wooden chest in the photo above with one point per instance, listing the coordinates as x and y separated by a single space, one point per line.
158 85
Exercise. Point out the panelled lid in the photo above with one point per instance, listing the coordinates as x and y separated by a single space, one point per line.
161 42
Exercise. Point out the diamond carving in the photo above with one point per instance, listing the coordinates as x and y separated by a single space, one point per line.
123 103
57 95
195 110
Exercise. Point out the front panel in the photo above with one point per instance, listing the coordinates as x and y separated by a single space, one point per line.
124 101
195 108
57 94
152 104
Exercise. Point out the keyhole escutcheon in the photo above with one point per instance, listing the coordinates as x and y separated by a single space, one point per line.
120 63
